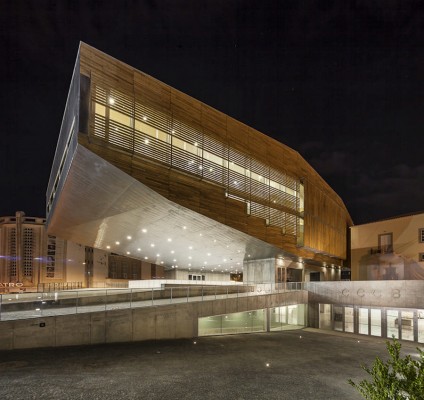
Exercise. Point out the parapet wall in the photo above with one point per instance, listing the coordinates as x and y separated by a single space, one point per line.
173 321
398 294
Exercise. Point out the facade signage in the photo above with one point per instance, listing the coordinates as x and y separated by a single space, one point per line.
11 284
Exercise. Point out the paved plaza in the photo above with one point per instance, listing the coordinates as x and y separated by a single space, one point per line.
299 364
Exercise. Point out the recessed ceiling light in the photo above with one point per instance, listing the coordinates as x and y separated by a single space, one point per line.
117 243
174 260
209 254
190 247
152 245
169 240
200 234
161 262
146 258
128 252
157 255
172 251
205 262
139 249
108 247
225 259
184 227
190 257
189 265
129 237
144 230
214 240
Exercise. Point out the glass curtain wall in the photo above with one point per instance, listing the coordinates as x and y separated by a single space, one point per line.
281 318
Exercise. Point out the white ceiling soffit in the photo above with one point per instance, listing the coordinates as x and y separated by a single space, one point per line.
101 206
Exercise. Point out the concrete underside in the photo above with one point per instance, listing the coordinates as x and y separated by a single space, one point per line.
100 206
315 366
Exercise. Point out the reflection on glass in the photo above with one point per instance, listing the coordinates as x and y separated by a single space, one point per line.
338 318
420 322
393 324
363 321
375 322
407 325
325 316
349 324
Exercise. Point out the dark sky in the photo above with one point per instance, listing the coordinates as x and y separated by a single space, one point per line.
342 82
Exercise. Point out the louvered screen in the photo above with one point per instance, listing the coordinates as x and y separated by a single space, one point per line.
238 182
259 182
259 210
152 117
290 226
214 156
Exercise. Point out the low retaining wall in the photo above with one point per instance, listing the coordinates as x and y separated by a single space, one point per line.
134 324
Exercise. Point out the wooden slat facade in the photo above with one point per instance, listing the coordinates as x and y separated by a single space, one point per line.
163 120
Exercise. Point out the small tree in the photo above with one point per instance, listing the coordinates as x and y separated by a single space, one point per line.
396 379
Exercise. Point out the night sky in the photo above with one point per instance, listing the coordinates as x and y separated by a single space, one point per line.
341 82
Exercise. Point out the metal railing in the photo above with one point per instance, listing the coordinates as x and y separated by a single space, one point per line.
15 306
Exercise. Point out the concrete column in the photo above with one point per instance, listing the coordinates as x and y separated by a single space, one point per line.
259 271
268 319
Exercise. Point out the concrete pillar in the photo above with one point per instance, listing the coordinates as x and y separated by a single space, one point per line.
259 271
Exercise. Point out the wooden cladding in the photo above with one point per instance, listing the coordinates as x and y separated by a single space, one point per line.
137 114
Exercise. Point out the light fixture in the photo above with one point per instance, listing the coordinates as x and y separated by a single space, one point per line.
108 247
172 251
144 118
184 227
169 240
146 258
152 245
190 247
128 252
117 243
139 249
144 230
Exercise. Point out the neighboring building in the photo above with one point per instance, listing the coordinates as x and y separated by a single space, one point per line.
23 242
391 249
145 171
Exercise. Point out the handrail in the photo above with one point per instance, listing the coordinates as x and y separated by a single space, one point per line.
15 306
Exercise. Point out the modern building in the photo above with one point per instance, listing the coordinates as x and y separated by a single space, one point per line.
145 171
23 244
164 186
391 249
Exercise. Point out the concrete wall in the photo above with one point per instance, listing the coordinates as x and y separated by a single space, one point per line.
399 294
259 271
396 294
137 324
